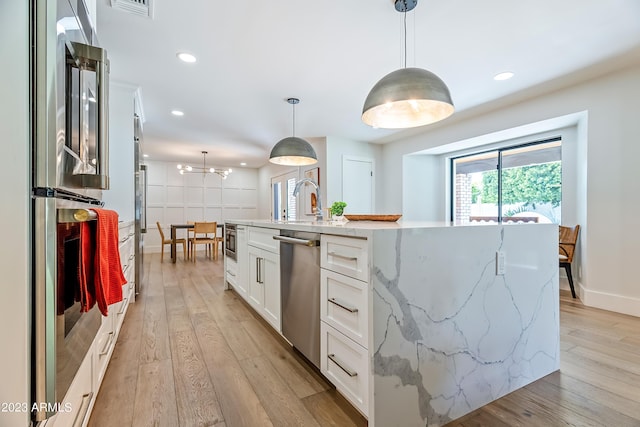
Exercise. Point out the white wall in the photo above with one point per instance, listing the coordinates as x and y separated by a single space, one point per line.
15 260
607 198
424 182
121 194
175 199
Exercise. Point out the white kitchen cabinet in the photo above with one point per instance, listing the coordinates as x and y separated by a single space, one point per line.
345 255
344 305
242 258
344 317
346 364
263 281
76 406
264 285
236 271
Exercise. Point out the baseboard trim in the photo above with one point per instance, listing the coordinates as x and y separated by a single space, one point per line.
612 302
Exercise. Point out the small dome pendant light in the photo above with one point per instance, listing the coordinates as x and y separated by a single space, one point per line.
408 97
293 151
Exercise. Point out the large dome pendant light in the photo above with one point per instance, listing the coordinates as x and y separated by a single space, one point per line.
293 151
408 97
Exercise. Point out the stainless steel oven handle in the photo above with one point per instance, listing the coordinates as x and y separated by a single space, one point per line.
295 241
76 215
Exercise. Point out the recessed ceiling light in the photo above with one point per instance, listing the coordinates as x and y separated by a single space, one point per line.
186 57
243 164
145 155
506 75
177 113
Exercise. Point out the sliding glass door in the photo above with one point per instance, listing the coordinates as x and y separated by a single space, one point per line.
515 184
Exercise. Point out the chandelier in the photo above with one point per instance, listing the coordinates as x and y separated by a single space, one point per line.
204 169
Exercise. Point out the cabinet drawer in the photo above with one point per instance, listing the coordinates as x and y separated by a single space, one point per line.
231 272
263 238
75 405
346 255
346 365
104 342
344 305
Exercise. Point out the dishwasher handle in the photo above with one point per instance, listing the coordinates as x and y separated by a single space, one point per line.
296 241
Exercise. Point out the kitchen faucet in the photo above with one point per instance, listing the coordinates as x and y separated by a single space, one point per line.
299 185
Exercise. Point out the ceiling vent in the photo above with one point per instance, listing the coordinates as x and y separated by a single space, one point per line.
135 7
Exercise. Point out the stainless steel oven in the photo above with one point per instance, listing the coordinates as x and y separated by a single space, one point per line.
230 241
69 156
75 329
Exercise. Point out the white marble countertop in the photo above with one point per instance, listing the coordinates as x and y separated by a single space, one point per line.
357 228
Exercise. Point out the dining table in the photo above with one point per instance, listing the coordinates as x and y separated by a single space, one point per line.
175 227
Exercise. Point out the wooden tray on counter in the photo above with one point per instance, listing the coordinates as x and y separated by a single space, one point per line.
367 217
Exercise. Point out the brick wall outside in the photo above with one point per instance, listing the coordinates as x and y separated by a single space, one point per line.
463 198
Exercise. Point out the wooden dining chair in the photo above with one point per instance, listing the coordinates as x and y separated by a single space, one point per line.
204 234
567 240
183 242
190 235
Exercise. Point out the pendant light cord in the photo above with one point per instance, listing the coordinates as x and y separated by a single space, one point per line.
405 34
294 119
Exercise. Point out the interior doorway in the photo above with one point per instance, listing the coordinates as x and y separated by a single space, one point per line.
358 184
283 204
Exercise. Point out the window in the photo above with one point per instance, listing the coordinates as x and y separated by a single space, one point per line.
515 184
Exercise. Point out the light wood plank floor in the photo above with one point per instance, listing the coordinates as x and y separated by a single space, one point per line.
192 354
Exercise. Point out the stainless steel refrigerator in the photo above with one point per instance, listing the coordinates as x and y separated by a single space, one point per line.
140 213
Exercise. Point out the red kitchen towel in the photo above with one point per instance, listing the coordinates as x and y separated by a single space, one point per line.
109 277
87 291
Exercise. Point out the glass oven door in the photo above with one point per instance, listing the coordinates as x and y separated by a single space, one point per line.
230 241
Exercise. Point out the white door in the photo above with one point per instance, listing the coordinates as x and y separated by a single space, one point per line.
283 204
357 184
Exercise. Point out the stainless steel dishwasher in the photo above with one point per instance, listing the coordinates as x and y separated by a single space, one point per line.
300 291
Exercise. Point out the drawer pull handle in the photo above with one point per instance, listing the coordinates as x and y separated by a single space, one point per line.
337 361
105 350
231 274
350 258
84 408
343 305
123 307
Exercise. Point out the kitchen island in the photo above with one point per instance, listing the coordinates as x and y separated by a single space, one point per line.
454 316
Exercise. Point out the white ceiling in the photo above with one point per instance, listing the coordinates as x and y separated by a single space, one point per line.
254 54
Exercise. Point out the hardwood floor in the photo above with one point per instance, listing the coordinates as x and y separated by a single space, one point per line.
192 354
